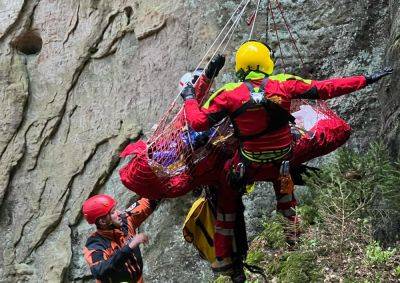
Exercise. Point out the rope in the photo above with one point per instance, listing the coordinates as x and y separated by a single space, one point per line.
254 20
229 40
208 51
267 23
277 37
235 25
279 5
229 31
216 39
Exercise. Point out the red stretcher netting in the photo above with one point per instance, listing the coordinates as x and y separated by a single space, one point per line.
176 159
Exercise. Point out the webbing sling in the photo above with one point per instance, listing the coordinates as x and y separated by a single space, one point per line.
279 116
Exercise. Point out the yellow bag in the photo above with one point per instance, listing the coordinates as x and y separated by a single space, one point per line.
199 229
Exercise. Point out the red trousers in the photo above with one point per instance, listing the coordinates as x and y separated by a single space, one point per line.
228 195
329 135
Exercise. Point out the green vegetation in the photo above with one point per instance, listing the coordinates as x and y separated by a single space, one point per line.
397 271
223 279
299 267
255 257
375 254
348 216
309 214
274 232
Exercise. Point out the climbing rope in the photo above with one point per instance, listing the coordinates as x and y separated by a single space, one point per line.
244 3
267 21
234 29
233 21
254 19
277 35
279 6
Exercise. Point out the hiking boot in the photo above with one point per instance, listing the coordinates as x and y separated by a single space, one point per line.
238 275
223 267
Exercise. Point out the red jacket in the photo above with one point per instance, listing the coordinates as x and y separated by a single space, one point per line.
202 88
106 251
280 89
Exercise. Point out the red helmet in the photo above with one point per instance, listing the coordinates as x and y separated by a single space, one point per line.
97 206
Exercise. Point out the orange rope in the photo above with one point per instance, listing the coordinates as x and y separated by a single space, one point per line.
280 7
277 36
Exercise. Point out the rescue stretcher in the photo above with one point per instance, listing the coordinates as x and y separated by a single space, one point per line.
184 160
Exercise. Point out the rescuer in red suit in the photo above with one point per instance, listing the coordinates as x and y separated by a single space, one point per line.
258 108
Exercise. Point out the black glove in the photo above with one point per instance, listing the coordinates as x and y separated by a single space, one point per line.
215 66
188 92
376 76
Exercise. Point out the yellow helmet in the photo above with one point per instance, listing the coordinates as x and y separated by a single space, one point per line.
254 56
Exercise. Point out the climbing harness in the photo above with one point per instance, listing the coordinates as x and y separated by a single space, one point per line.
257 100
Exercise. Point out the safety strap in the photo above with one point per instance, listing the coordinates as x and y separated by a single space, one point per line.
279 116
250 103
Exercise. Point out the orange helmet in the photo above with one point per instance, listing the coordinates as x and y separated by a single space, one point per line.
97 206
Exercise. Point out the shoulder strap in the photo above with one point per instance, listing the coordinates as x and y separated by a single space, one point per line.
264 84
261 89
251 101
249 85
278 114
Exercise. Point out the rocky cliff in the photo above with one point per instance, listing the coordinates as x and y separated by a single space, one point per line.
81 79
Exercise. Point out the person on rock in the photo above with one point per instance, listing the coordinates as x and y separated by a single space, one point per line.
258 107
112 252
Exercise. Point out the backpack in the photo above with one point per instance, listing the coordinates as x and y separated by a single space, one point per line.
199 229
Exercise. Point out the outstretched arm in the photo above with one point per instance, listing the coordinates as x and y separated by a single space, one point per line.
326 89
202 87
140 210
201 119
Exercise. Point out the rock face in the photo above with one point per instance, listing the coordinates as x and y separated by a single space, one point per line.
390 89
80 79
